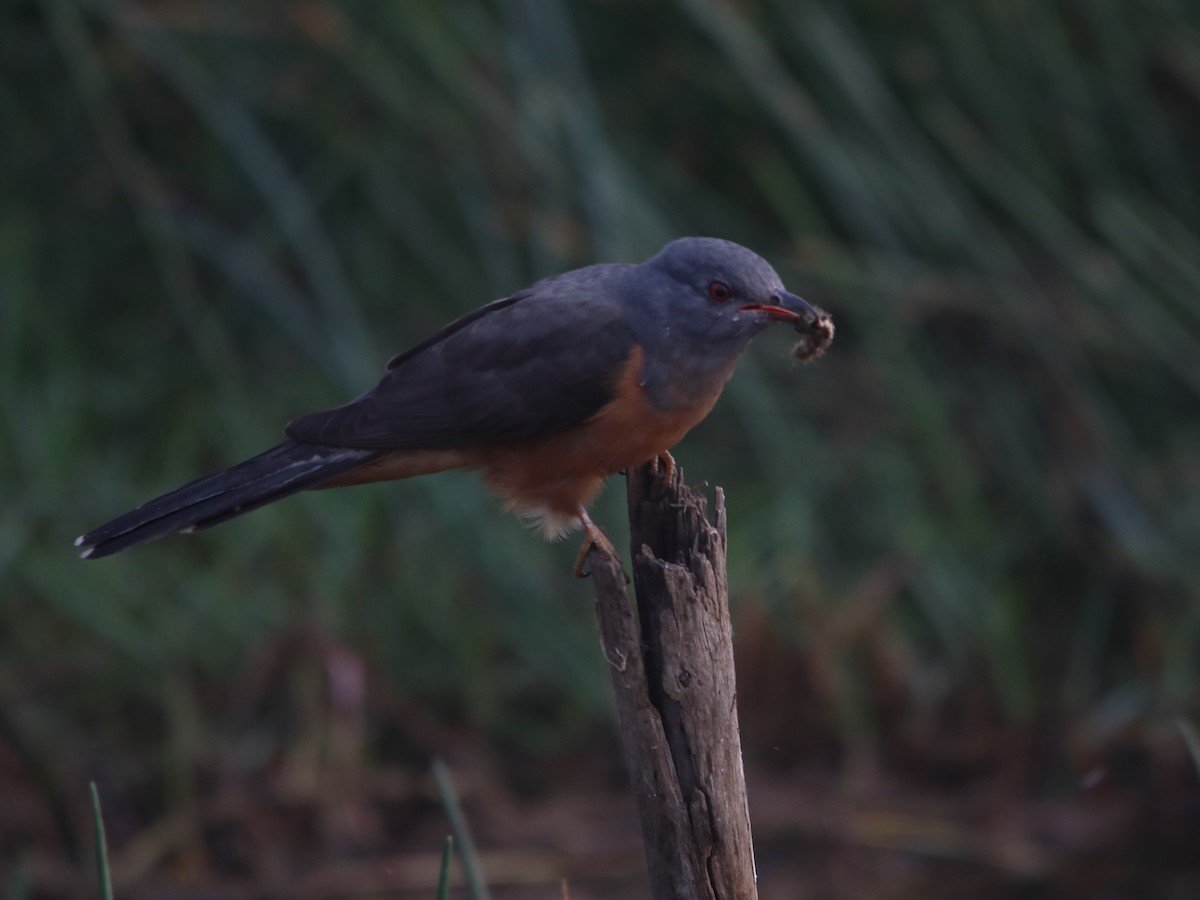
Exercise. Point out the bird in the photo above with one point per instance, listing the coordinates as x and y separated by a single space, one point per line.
545 392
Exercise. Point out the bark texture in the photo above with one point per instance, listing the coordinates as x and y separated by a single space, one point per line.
671 662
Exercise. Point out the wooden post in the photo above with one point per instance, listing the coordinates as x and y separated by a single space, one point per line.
671 664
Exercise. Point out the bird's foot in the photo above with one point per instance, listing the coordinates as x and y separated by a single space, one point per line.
665 463
592 537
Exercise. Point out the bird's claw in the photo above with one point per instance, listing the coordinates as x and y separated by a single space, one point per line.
665 463
592 537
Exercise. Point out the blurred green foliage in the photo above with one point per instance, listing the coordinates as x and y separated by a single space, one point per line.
216 216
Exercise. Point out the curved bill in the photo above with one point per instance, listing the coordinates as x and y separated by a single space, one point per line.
790 308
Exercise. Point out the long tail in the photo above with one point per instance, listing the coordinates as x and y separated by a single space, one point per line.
270 476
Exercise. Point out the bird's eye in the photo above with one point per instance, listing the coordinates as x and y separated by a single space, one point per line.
719 291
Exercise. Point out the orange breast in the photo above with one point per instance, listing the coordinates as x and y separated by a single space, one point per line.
554 476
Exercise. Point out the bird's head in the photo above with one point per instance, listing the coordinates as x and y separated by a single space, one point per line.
718 291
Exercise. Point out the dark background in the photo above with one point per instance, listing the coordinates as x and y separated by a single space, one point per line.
962 546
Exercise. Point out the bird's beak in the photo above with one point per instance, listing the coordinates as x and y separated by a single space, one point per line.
790 308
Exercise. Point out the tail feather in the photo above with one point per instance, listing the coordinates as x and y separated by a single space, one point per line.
272 475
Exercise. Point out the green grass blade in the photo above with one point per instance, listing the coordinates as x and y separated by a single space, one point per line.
444 871
106 891
458 825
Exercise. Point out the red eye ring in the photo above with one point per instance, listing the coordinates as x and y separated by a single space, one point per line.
719 292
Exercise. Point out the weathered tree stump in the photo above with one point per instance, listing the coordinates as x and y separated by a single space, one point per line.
671 664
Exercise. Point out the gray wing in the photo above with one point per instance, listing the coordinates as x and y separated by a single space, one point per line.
539 361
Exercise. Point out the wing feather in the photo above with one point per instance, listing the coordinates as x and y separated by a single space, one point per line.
533 363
